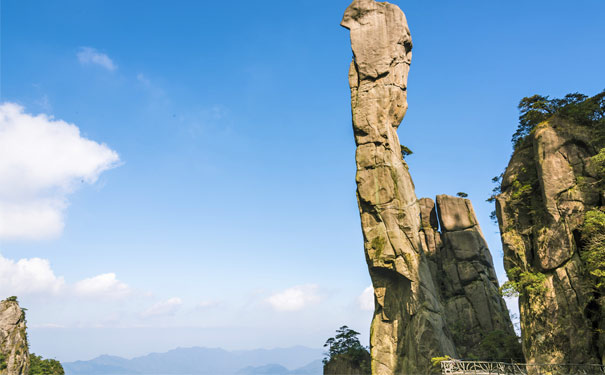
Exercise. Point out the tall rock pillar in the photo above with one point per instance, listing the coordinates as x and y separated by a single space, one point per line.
408 328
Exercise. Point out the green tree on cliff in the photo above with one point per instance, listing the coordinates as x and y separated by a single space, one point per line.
575 107
345 349
39 366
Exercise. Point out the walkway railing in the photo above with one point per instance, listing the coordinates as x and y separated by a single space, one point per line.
455 367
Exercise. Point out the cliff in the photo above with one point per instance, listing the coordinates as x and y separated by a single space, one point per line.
551 189
463 271
408 328
14 352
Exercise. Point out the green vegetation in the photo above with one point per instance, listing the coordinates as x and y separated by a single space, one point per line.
40 366
593 254
520 191
3 364
495 346
345 347
436 361
586 123
587 113
405 151
462 194
500 346
523 283
577 108
377 244
492 198
597 167
12 299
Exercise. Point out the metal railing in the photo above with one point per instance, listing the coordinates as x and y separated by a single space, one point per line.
454 367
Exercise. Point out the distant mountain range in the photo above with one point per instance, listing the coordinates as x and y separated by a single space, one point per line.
297 360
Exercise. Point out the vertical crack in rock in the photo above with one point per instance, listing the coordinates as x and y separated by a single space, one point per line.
408 328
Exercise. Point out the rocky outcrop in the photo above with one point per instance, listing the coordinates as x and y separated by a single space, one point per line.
463 270
408 327
13 339
546 190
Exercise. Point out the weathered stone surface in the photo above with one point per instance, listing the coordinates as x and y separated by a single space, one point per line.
463 269
546 189
428 215
408 328
455 213
13 340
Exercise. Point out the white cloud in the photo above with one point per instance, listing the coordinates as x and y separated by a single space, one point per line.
40 218
28 276
88 55
34 276
366 299
42 160
295 298
105 285
164 308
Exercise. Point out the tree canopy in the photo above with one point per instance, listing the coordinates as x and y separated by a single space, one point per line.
345 347
575 107
40 366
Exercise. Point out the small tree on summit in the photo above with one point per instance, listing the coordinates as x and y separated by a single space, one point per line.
41 366
345 350
575 107
405 151
345 341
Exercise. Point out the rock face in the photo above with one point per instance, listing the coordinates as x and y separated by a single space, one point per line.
13 340
463 270
546 190
408 327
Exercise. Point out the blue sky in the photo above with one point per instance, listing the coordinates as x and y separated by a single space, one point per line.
216 206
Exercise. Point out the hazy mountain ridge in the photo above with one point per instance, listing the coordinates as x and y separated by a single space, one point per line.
197 360
313 368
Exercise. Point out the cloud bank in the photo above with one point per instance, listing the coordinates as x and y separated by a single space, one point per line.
28 276
105 285
34 276
42 161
